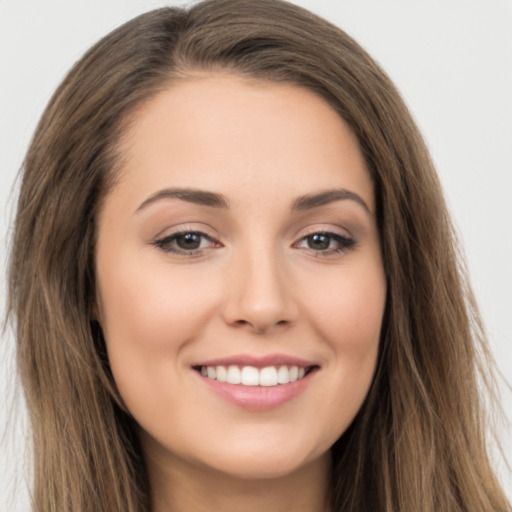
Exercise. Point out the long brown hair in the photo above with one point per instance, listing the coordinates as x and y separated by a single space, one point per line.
419 440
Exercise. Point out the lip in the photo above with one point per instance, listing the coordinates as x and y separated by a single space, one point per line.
257 361
257 398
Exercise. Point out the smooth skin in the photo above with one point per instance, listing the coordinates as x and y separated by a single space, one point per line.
257 275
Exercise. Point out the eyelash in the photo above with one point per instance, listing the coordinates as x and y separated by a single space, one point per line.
345 243
165 243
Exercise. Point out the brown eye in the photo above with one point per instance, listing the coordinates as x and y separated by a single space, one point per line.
186 243
189 241
319 241
326 243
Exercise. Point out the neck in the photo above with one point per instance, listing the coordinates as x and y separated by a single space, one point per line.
181 486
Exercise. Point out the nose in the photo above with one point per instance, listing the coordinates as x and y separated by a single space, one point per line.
259 296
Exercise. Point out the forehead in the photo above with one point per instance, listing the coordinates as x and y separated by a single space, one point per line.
229 134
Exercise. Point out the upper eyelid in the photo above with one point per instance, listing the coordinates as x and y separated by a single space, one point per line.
332 234
176 234
184 228
347 241
184 232
164 243
339 231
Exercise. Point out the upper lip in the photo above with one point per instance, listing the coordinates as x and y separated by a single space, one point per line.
257 361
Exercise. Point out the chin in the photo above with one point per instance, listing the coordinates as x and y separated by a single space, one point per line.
261 468
263 460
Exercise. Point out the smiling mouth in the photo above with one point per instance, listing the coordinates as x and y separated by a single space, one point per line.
268 376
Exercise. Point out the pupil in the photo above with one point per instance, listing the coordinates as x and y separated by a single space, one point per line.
319 242
189 241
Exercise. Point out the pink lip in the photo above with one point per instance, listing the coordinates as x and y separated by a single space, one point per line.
257 398
257 361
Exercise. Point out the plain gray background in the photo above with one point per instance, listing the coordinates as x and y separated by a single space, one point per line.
452 61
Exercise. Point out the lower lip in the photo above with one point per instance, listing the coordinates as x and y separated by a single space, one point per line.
258 398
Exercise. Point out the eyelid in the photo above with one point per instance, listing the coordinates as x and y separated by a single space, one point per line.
185 227
346 241
162 242
327 229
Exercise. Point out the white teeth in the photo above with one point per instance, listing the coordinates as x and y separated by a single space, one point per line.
233 376
251 376
268 376
222 373
283 375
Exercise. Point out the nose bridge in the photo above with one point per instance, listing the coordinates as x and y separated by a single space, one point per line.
259 295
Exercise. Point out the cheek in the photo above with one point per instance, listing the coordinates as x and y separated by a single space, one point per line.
150 306
348 319
148 315
348 308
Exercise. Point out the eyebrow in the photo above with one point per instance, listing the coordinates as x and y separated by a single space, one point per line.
215 200
191 195
310 201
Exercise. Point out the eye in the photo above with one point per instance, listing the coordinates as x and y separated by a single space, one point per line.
326 243
187 243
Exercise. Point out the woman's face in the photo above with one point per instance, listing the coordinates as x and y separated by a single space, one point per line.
240 243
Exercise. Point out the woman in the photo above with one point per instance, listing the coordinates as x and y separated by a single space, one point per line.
236 283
